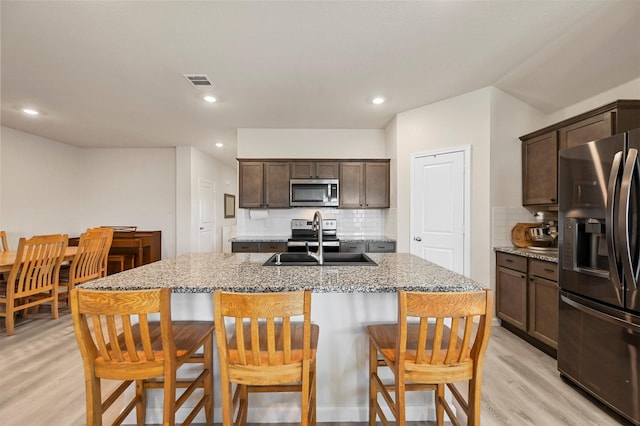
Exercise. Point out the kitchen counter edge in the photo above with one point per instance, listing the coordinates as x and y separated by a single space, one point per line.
244 272
547 257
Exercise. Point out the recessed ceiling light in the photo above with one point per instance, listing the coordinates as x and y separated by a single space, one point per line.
219 144
377 100
30 111
210 99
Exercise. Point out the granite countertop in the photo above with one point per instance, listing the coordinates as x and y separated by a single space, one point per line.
548 256
260 239
367 238
206 272
277 239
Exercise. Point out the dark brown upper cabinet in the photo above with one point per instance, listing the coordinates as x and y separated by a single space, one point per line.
364 185
315 170
263 184
540 170
540 148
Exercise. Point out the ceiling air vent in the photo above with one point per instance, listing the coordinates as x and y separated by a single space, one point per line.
198 80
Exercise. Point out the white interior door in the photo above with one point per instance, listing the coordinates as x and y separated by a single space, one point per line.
207 216
439 203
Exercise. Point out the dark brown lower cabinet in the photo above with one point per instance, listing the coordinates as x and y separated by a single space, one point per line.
511 289
527 299
258 247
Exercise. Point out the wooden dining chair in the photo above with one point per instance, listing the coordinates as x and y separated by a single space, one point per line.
89 263
108 234
34 280
119 341
267 353
423 353
4 246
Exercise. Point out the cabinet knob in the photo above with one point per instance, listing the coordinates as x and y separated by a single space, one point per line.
417 238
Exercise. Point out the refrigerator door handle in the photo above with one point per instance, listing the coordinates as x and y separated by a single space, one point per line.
611 228
627 220
635 328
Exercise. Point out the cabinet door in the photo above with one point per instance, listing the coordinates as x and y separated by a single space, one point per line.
381 247
315 170
251 184
351 185
353 247
276 192
543 310
272 247
248 247
587 130
540 170
327 170
376 185
302 169
511 297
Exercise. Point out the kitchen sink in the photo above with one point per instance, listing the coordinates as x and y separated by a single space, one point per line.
330 259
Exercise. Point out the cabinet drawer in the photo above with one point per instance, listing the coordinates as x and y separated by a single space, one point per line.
512 261
382 247
353 247
274 247
540 268
244 247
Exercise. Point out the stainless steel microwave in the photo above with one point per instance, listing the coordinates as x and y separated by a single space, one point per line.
313 193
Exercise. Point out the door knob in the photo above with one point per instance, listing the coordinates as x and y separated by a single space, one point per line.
417 238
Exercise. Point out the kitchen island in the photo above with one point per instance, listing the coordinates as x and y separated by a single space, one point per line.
345 298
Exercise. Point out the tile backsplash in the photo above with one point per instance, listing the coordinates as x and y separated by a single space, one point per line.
277 222
503 219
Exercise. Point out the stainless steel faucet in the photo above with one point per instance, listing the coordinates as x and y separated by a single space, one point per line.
316 225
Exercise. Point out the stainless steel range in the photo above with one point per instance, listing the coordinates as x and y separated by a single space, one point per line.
302 233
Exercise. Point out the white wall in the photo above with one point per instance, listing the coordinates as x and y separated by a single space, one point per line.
391 149
510 119
311 143
224 178
628 90
50 187
40 186
463 120
130 186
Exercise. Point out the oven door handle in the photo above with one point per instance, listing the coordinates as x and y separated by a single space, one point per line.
601 315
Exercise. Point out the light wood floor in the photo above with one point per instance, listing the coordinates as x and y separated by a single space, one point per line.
41 381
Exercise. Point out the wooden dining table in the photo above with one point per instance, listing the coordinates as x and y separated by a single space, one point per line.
8 258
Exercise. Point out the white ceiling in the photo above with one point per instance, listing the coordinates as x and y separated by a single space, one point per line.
110 73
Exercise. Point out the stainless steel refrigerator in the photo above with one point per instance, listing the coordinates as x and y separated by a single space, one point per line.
599 267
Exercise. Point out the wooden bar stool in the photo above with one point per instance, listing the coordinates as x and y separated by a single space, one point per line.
119 342
427 355
269 353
